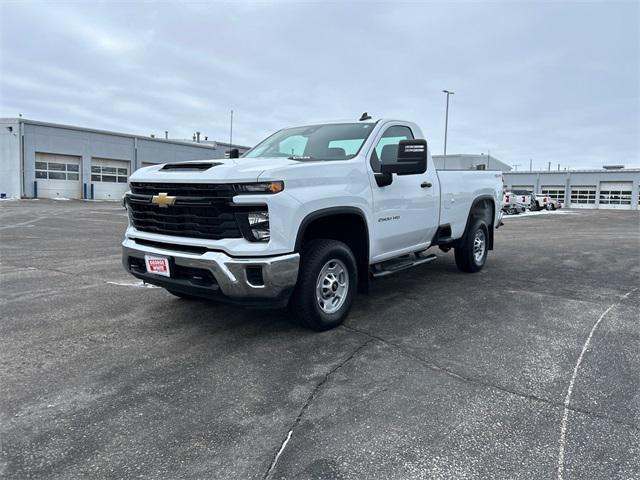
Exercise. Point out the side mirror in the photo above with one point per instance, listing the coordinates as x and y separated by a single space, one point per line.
411 158
233 153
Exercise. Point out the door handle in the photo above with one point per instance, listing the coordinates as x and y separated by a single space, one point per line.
425 185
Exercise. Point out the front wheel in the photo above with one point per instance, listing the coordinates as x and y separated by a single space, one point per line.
471 254
327 283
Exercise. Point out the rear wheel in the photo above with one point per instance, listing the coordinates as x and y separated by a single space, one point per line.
326 285
471 254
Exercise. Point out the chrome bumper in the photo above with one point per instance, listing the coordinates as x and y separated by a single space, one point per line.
279 273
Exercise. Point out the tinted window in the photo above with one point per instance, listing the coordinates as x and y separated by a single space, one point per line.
392 136
317 142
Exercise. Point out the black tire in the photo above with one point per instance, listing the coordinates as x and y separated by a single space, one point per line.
304 304
186 296
464 253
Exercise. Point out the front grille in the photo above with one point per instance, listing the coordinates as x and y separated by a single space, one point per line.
220 190
199 211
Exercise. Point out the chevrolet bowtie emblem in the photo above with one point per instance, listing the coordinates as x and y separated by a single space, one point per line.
163 200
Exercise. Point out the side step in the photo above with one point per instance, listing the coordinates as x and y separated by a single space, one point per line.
389 267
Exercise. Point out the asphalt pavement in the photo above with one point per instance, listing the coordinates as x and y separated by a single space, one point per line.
528 369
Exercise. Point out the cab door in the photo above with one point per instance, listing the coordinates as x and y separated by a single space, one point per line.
405 206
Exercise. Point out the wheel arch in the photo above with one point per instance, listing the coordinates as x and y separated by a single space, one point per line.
346 224
479 208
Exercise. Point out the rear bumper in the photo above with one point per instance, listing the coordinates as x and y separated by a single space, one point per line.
216 275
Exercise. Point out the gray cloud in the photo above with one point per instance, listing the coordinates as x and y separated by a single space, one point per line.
552 81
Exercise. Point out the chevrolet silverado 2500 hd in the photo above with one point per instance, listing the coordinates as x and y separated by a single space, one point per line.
307 218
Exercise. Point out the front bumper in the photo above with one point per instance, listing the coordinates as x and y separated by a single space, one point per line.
258 281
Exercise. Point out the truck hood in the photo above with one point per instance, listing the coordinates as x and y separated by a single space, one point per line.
220 170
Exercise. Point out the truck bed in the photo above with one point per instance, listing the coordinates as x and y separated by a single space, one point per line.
459 188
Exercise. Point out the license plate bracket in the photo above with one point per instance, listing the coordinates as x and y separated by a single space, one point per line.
157 265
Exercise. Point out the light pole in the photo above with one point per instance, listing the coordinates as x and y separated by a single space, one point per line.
446 126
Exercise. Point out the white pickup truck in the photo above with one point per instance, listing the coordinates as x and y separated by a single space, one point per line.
307 218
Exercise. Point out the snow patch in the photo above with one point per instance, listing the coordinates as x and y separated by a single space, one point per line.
542 212
61 198
134 284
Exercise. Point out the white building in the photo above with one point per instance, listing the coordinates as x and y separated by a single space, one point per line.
47 160
615 188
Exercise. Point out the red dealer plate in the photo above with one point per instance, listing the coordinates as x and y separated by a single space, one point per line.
157 265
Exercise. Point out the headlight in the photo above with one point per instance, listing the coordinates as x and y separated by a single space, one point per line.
260 187
259 226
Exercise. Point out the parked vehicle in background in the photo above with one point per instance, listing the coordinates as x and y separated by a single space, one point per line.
553 203
539 202
307 218
511 205
523 197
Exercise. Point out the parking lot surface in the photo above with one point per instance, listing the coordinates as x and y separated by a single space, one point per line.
528 369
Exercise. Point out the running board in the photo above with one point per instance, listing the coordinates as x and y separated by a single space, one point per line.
390 267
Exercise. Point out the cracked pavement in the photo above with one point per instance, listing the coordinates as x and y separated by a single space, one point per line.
436 374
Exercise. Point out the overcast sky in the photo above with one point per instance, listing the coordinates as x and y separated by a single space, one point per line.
549 81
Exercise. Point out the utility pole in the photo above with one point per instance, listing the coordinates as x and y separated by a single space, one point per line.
549 167
446 126
531 165
488 159
231 131
516 165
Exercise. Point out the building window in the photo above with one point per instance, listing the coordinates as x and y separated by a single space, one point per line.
109 174
556 193
583 195
57 171
615 197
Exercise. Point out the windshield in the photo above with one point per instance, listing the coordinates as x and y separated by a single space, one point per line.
317 142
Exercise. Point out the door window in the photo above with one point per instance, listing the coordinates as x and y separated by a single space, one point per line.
100 173
385 151
57 171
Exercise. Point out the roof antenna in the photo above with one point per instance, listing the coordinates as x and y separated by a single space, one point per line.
365 116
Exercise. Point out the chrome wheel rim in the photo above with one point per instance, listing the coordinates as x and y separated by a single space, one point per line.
332 286
479 246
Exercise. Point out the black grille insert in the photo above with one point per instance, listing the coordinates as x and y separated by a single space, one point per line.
197 211
172 246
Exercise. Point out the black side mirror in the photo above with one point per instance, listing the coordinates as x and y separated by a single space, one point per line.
233 153
411 160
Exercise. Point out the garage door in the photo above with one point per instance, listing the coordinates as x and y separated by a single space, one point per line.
554 191
58 176
583 196
615 195
109 178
